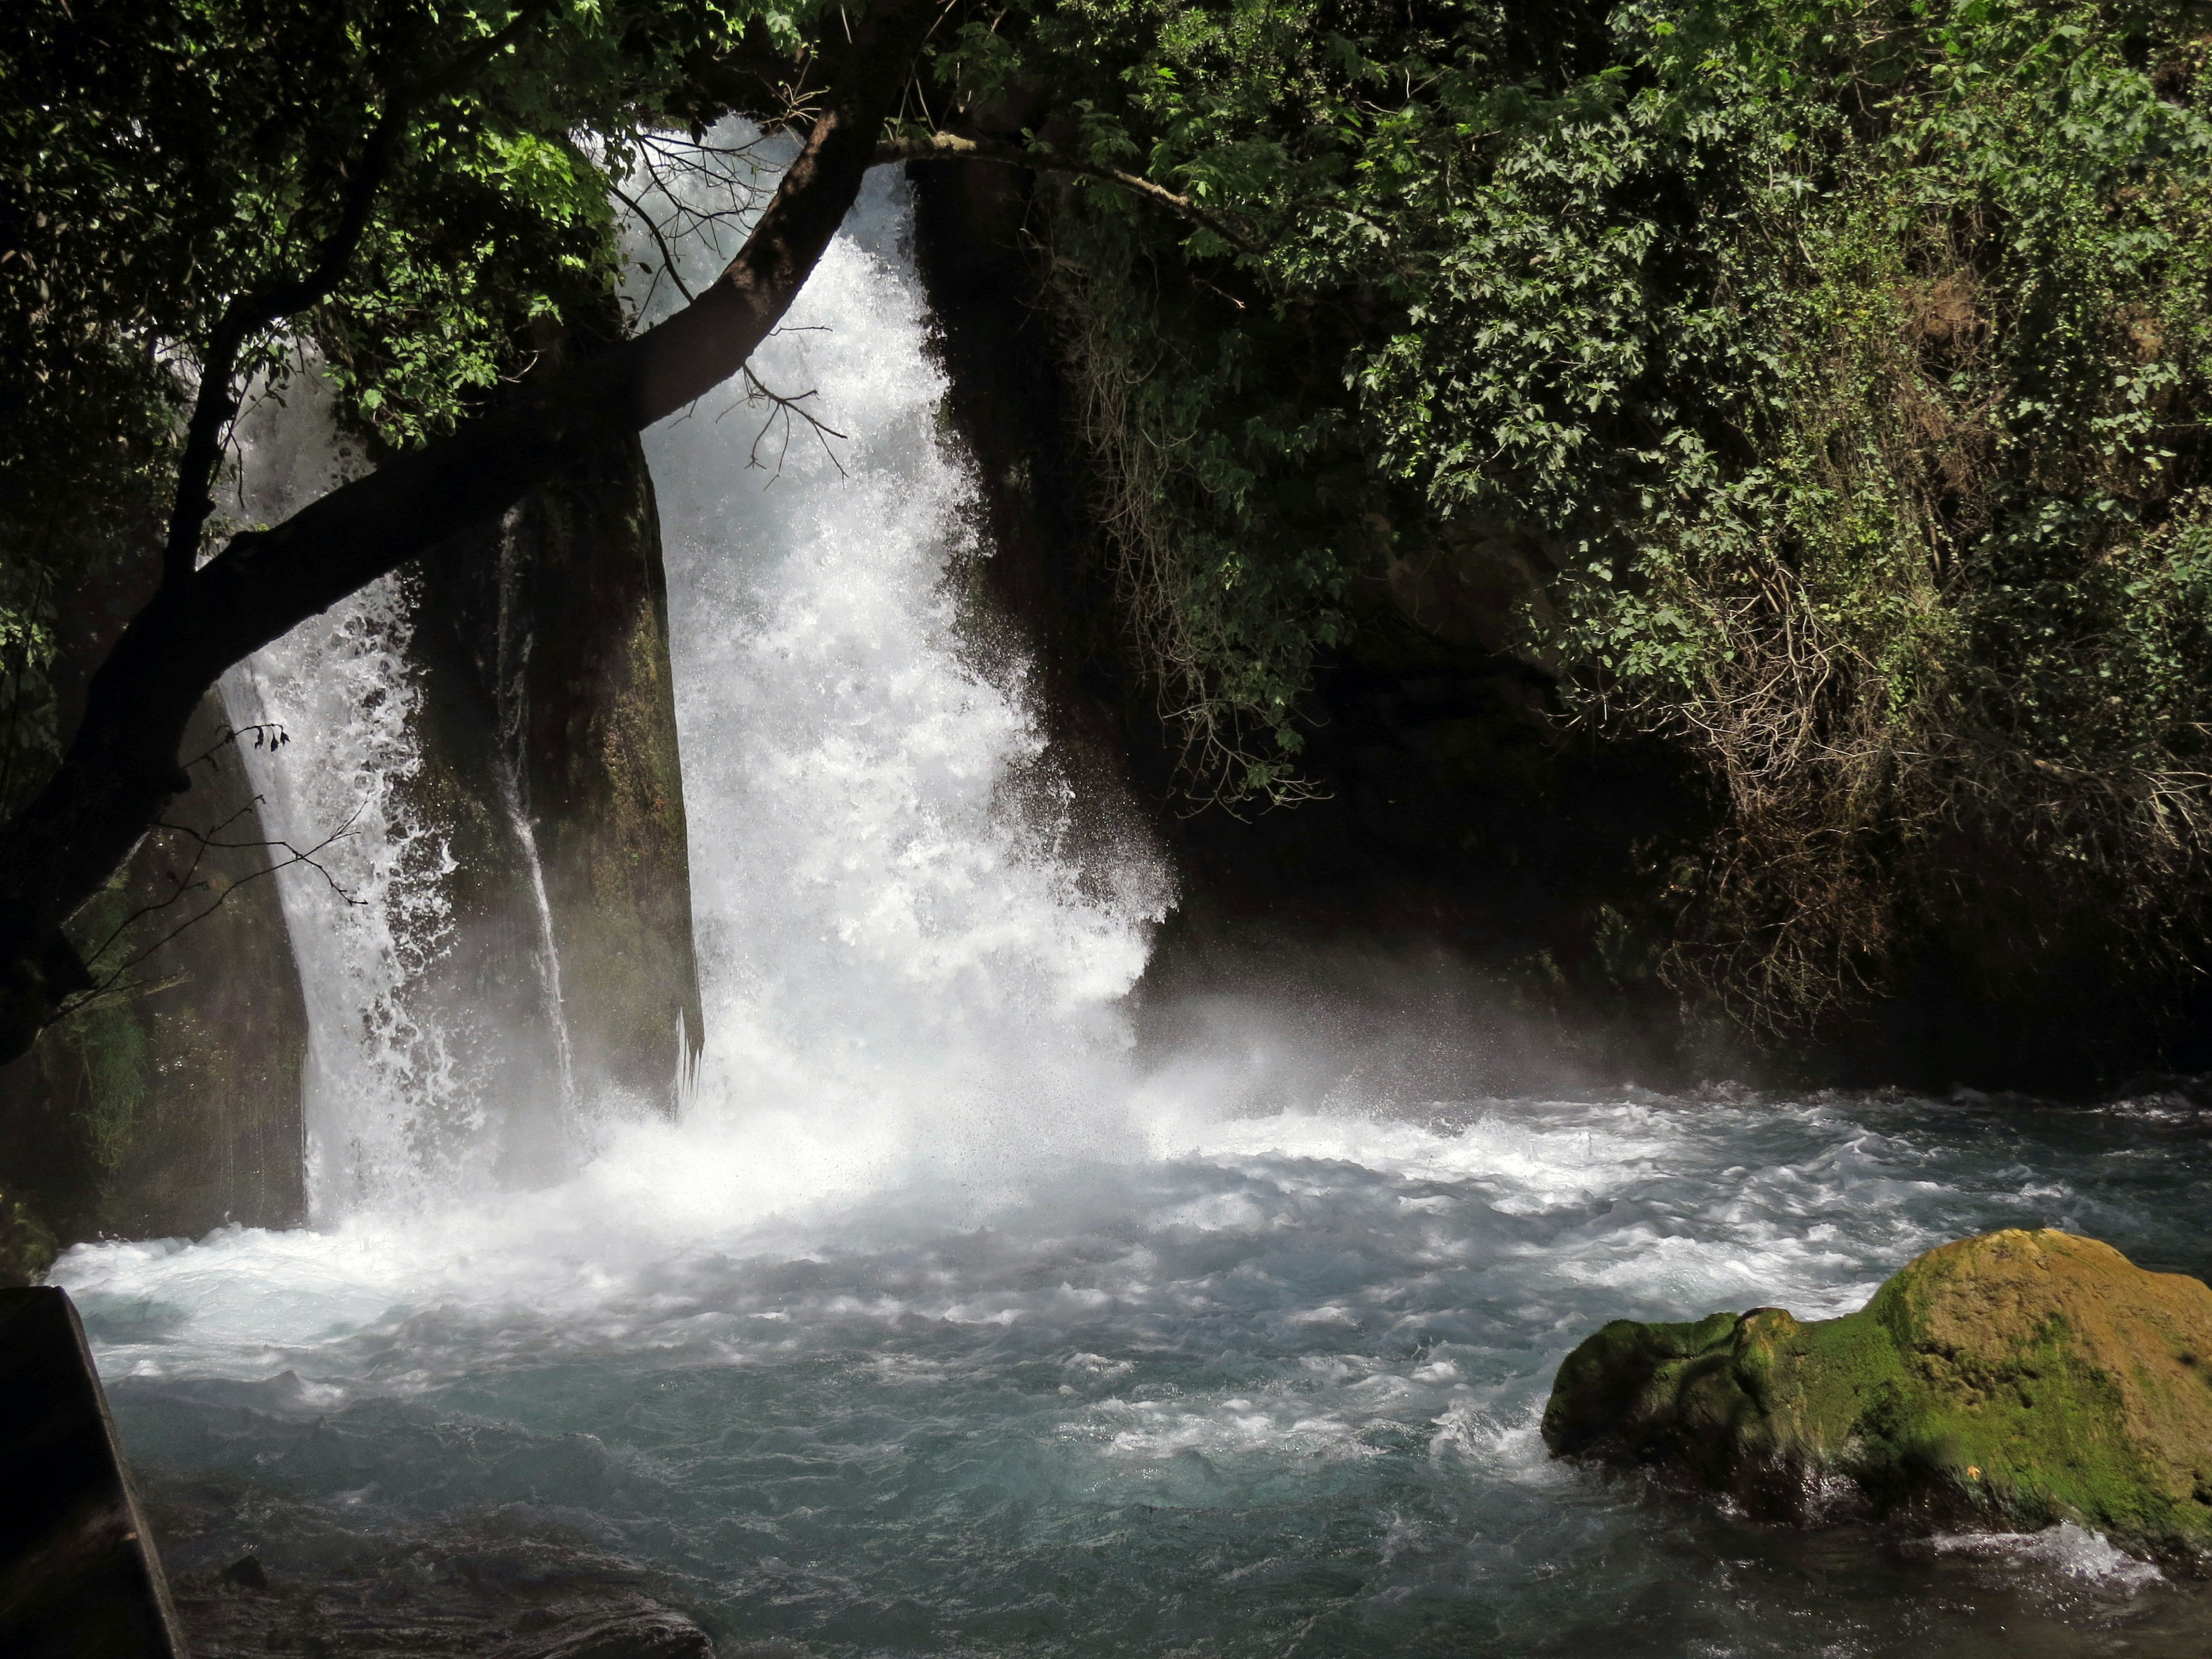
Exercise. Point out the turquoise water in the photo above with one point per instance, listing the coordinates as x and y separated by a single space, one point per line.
950 1321
1264 1385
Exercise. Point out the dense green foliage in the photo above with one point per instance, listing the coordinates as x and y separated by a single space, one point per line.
1847 362
1250 448
1841 368
160 162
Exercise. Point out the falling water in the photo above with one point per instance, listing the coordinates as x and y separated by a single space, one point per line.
899 963
388 1106
512 651
944 1322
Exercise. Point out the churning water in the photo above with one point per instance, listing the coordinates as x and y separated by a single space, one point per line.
945 1322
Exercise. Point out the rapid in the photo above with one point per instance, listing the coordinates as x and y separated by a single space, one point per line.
946 1316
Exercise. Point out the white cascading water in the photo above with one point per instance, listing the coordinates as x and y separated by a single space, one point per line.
899 969
938 1324
389 1112
903 977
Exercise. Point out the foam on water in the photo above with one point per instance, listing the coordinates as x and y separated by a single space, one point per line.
1230 1389
2073 1551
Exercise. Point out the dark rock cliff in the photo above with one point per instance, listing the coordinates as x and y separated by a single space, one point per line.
172 1104
549 735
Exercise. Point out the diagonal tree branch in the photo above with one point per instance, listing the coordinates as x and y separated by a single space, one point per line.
215 404
652 230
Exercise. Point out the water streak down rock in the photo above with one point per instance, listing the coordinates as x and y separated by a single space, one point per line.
2012 1380
549 723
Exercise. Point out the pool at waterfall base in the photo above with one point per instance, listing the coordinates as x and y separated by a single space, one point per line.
955 1312
1262 1384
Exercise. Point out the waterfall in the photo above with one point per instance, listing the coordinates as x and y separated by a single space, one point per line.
386 1104
903 1335
902 966
900 960
433 1067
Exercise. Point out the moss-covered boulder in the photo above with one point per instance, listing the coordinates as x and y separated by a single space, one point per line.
2012 1380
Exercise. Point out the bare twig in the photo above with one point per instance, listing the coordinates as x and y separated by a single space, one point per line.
104 988
667 256
268 735
949 147
789 407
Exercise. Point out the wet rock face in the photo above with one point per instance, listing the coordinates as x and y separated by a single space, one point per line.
602 781
548 734
170 1105
2011 1381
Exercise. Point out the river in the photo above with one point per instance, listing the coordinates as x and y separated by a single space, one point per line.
949 1318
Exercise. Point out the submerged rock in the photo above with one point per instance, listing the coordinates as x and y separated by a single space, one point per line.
447 1596
2012 1380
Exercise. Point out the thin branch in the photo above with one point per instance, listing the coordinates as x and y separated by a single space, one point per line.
689 164
788 406
179 886
269 736
758 390
668 255
948 147
115 984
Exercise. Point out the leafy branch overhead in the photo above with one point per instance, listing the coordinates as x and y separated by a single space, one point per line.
508 146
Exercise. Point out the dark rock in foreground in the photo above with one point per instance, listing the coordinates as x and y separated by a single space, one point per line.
2009 1381
79 1578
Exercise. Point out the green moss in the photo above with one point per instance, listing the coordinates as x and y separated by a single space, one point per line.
2017 1379
111 1047
27 1244
98 1059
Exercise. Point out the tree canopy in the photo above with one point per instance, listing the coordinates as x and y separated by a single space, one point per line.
451 162
161 165
1840 364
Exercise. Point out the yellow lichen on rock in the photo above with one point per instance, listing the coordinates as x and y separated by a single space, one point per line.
1985 1305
